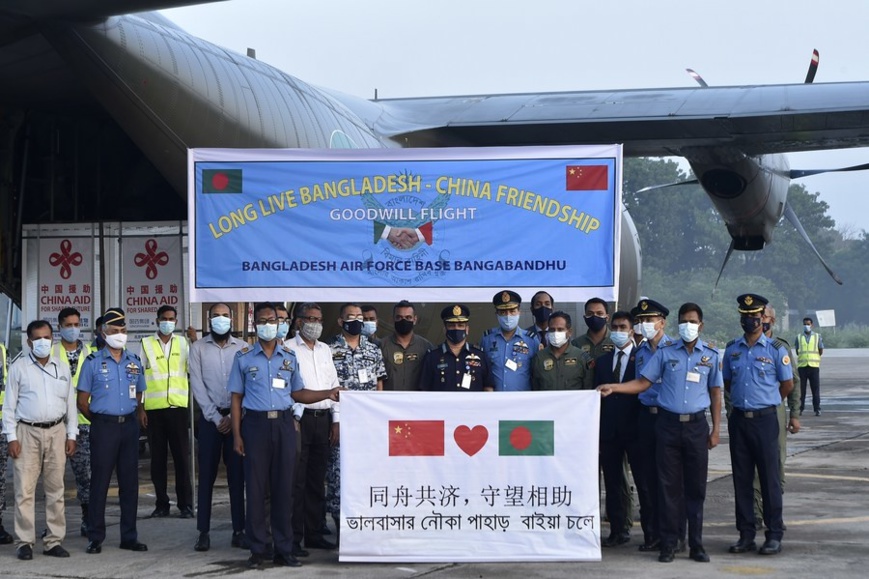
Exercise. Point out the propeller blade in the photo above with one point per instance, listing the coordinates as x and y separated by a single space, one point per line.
697 77
665 185
792 217
798 173
723 265
813 66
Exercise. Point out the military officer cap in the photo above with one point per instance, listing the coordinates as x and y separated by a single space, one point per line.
751 303
114 317
456 313
506 300
647 307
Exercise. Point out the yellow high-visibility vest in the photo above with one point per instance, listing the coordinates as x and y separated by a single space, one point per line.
166 379
59 352
808 354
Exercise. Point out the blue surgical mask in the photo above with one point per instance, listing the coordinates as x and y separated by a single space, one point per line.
369 328
508 323
70 334
283 330
620 338
167 327
41 347
220 325
267 332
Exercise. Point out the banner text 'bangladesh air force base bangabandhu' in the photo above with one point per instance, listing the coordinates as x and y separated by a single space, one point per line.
443 476
398 224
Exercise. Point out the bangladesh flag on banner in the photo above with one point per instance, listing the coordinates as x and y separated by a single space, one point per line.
526 438
416 438
221 181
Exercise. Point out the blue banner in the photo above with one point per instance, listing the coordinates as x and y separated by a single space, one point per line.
403 223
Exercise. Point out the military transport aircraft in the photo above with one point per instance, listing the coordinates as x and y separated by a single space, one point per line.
98 109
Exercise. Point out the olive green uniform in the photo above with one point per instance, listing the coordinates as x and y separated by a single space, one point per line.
573 370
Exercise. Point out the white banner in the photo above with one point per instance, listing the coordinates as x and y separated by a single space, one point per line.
65 278
478 476
151 270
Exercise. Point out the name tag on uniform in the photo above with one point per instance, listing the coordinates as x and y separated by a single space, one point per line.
466 381
363 375
132 391
511 365
279 383
693 376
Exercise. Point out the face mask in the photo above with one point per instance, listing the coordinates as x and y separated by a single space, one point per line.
749 324
456 336
557 339
220 325
403 327
283 330
648 330
766 327
312 331
70 334
508 323
688 331
808 329
620 338
369 328
267 332
354 327
638 329
594 323
41 347
116 341
541 314
167 328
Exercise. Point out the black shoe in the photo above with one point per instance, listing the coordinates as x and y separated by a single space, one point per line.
25 552
239 540
817 412
770 547
5 537
699 554
186 513
743 545
319 543
616 539
285 561
651 545
57 551
203 543
298 551
255 562
666 556
134 546
159 513
94 547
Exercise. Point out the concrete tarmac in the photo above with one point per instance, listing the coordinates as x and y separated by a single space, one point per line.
826 513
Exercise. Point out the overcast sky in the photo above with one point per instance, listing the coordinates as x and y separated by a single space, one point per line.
448 47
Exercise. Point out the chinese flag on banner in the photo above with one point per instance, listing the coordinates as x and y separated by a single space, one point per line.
416 438
587 178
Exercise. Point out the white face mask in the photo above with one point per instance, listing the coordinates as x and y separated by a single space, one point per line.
688 331
649 331
619 338
638 329
808 329
557 339
116 341
41 347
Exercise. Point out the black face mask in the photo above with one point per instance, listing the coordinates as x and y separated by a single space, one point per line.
403 327
749 324
354 327
456 336
541 314
766 327
594 323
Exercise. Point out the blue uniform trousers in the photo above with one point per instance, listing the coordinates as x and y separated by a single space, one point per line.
212 447
754 444
114 446
683 461
270 454
646 473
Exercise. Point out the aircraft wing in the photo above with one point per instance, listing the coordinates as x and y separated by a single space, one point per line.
649 122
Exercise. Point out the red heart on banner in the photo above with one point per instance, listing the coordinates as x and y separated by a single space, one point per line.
471 440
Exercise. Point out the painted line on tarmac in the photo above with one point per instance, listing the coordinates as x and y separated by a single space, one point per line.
790 474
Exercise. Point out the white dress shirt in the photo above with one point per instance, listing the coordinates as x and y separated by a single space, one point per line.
627 355
318 371
37 393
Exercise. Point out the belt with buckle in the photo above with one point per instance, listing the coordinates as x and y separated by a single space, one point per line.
113 418
268 414
651 409
684 417
223 411
757 413
44 424
316 413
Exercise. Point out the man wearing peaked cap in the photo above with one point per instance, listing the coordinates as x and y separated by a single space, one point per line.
758 375
455 365
509 349
651 308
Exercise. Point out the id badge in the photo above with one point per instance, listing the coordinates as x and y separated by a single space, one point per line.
363 376
132 391
693 377
511 364
466 381
279 383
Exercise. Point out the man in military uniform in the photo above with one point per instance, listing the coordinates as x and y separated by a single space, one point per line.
264 382
403 351
758 375
690 382
561 365
455 365
595 342
5 536
509 349
542 306
110 388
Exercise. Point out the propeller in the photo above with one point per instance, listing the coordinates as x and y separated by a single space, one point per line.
813 66
723 265
696 76
798 173
792 217
664 186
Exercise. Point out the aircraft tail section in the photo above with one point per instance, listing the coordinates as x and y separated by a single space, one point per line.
85 10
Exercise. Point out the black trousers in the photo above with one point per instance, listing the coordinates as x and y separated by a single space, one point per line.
310 493
212 447
612 456
168 428
114 446
270 454
811 376
683 462
646 474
